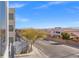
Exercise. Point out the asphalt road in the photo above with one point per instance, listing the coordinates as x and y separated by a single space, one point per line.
56 50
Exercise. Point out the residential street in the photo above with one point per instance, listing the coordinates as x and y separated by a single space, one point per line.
55 50
45 49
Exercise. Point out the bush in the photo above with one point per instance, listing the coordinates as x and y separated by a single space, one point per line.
65 36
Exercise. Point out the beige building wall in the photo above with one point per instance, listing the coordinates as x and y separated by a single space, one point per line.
11 30
12 23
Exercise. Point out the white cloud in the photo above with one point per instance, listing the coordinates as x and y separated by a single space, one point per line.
50 4
22 20
76 8
16 5
42 6
73 9
56 2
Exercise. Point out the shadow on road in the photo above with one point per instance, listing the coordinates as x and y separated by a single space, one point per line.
56 43
75 46
71 45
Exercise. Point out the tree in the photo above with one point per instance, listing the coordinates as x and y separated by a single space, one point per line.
32 35
65 36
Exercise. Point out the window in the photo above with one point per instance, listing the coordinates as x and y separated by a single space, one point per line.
58 32
11 17
11 28
10 39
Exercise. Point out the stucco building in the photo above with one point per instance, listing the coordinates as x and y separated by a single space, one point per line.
11 30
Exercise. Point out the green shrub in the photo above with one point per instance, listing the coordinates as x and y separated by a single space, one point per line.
65 36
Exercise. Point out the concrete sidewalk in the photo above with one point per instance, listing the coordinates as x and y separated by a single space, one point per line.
36 53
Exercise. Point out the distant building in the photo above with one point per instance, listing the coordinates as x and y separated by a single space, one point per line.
11 24
16 42
57 31
58 28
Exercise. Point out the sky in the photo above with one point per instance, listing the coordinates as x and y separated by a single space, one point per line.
46 14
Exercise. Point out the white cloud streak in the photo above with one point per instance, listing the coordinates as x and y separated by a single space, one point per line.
73 9
76 8
16 5
56 2
50 4
22 20
42 6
